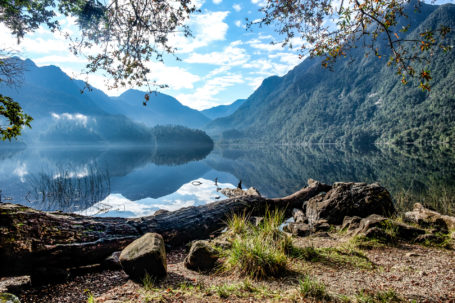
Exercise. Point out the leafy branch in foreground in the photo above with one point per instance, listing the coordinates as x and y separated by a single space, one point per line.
117 37
12 118
330 29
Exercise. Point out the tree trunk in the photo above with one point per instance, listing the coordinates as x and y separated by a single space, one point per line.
30 239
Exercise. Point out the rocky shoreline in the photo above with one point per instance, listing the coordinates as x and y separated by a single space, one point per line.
346 244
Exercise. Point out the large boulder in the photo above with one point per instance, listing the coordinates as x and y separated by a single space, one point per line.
375 226
202 257
143 256
349 199
429 218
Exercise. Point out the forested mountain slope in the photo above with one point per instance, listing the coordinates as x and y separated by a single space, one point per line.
358 102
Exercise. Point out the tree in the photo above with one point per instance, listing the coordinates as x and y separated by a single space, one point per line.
118 37
330 29
16 119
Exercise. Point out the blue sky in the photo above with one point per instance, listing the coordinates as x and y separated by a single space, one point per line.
222 62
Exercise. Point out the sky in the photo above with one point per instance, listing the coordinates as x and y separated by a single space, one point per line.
223 62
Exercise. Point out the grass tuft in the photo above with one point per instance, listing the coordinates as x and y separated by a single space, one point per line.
257 251
312 289
388 296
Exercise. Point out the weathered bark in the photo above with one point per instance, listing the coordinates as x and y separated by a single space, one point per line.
30 239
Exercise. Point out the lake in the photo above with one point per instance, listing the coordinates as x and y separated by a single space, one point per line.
137 181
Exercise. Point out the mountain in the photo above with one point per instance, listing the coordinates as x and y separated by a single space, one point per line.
63 115
359 102
160 109
222 110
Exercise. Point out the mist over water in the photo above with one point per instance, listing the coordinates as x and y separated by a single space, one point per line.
136 181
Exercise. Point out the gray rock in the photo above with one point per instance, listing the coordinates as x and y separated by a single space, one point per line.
429 218
221 243
350 199
299 216
350 223
8 298
113 261
375 226
202 257
321 225
145 255
298 229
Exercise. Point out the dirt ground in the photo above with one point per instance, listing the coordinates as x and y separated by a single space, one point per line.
413 272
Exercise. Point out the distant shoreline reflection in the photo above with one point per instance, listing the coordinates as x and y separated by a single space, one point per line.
137 181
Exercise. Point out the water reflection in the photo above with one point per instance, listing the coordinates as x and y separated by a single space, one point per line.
419 174
142 180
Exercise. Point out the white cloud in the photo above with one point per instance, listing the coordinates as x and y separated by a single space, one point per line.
231 55
175 77
204 97
53 59
237 7
267 67
21 171
259 2
290 59
78 118
238 23
259 44
217 1
207 28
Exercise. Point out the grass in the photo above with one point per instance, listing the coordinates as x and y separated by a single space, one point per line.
90 297
441 198
309 288
334 256
64 188
257 251
388 296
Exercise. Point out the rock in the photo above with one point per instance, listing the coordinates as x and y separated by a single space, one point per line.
376 226
350 199
299 216
252 192
350 223
145 255
238 192
298 229
430 239
202 257
412 254
321 225
160 212
221 243
429 218
113 261
8 298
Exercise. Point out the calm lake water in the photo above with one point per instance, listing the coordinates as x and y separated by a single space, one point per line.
137 181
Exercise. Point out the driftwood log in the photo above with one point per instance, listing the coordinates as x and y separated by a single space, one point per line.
31 239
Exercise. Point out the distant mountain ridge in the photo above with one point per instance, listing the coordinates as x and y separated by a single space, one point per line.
360 102
223 110
65 115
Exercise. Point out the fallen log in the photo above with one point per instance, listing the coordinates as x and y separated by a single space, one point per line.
31 239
